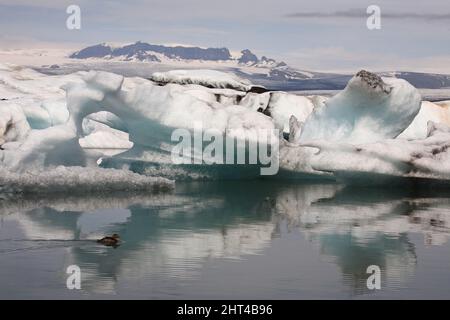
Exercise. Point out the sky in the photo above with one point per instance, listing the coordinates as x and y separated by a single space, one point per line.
320 35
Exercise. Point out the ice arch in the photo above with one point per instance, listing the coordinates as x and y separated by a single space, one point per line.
151 113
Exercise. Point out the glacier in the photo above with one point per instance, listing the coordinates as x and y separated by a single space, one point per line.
52 127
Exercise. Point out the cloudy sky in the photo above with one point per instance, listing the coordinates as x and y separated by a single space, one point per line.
323 35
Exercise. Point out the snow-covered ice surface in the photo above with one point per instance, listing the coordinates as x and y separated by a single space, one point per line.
438 112
208 78
424 158
376 127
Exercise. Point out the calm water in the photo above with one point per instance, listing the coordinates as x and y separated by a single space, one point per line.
259 240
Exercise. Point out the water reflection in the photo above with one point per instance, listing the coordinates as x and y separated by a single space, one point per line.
359 227
175 235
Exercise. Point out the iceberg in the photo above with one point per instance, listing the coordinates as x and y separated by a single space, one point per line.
40 150
151 113
375 128
369 109
206 78
109 111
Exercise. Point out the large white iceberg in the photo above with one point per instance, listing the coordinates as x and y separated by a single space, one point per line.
376 127
40 150
369 109
150 113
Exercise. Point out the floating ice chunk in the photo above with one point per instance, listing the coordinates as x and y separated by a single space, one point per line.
148 112
207 78
349 135
438 113
369 163
369 109
79 180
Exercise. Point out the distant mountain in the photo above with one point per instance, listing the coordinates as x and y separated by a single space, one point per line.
265 71
142 51
145 52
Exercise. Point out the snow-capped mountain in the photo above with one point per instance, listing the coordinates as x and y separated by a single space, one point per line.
264 71
141 51
145 52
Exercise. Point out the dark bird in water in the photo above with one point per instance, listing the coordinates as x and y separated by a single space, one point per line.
112 241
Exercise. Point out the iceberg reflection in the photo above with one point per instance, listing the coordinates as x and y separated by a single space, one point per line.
176 235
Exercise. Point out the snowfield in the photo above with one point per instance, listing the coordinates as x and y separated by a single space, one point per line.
375 129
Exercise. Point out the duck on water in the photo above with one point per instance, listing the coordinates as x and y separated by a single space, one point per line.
110 241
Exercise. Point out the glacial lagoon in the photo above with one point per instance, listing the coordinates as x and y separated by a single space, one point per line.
230 240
